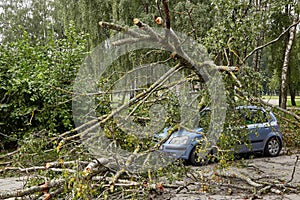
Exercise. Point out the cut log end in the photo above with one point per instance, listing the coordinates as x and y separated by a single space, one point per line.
137 22
158 20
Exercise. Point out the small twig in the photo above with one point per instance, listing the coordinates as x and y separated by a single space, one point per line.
262 190
192 23
243 188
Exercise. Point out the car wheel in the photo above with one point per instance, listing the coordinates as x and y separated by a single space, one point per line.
196 158
273 147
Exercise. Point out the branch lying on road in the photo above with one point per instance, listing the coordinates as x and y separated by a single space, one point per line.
294 170
51 166
31 190
36 168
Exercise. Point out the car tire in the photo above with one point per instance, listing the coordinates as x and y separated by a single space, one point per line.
273 147
196 160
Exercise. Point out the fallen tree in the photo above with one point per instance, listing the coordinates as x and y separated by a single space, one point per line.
75 182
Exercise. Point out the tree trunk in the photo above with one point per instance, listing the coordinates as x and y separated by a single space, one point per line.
293 94
284 84
257 56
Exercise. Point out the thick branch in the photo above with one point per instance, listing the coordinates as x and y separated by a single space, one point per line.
119 28
137 98
36 168
96 163
147 29
167 14
31 190
241 177
120 172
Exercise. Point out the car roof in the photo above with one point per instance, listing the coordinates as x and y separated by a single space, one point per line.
248 107
238 107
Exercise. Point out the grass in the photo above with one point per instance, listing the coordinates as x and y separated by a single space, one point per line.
289 104
297 103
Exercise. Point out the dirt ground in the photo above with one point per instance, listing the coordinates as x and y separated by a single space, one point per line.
280 167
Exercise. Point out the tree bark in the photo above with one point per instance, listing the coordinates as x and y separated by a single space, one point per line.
293 94
258 53
285 66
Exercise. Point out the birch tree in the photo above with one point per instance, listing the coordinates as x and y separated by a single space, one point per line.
285 66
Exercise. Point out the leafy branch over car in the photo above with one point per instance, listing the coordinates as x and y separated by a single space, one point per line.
260 126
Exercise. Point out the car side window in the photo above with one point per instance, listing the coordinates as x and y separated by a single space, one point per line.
254 116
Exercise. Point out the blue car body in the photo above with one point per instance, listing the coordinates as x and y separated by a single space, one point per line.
183 149
264 136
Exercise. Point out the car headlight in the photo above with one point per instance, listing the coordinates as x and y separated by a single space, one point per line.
179 140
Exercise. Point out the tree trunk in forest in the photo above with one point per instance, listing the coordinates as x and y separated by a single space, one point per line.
284 84
293 94
257 55
279 101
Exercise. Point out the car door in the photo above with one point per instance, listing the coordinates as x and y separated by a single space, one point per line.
258 127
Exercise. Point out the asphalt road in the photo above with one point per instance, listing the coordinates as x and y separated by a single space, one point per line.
281 166
12 183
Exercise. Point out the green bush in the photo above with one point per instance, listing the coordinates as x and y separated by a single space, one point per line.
36 76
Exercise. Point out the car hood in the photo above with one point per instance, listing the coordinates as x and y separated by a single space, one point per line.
181 132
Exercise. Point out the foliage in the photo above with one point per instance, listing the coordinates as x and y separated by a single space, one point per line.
291 131
42 52
36 75
35 17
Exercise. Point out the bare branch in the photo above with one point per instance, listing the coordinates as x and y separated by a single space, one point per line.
294 169
119 28
158 7
35 168
9 154
31 190
271 42
120 172
260 101
167 14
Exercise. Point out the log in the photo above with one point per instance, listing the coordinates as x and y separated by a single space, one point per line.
31 190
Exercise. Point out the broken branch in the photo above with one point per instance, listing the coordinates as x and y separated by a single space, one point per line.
31 190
